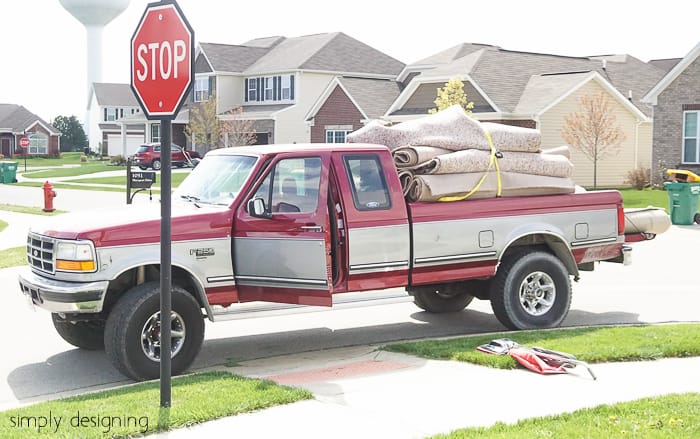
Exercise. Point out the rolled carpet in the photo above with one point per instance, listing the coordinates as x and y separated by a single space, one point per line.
409 156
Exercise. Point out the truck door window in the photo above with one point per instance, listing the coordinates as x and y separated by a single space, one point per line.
295 185
369 188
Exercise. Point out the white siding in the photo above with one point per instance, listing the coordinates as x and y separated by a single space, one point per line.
290 126
229 92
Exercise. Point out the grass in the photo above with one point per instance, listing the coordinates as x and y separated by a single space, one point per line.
134 410
13 257
83 169
72 186
176 178
67 158
28 209
3 224
593 345
644 198
675 415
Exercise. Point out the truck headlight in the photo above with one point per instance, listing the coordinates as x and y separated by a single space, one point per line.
75 257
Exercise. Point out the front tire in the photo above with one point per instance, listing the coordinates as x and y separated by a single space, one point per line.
531 290
132 333
88 334
441 298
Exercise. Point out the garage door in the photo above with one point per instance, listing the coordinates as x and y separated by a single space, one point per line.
114 144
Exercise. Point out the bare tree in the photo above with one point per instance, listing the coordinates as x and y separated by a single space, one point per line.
594 130
236 130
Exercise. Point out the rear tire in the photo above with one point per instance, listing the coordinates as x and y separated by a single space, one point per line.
531 290
88 334
441 298
156 165
132 334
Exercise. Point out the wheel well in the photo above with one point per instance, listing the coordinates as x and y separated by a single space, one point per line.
544 242
148 273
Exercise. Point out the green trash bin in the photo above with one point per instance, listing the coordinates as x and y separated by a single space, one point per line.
683 201
8 172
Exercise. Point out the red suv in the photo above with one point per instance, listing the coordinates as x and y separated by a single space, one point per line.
148 156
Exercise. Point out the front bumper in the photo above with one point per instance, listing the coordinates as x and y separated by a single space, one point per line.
61 296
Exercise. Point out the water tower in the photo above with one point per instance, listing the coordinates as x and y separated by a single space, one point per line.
94 15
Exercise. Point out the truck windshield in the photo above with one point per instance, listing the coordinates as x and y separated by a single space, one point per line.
217 179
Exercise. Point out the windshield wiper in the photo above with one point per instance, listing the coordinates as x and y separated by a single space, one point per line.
191 198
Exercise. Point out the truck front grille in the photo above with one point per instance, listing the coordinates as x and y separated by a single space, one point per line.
40 253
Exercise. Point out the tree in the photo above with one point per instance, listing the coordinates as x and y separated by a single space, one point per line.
72 134
452 94
207 128
594 130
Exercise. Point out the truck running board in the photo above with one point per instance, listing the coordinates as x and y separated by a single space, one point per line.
362 299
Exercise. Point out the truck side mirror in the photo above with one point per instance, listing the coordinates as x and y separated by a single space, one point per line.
256 208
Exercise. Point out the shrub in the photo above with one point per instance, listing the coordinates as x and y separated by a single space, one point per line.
638 177
117 160
83 159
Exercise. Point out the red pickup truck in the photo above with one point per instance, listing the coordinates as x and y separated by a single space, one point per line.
301 224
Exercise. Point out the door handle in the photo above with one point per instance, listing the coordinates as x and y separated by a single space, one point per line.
312 228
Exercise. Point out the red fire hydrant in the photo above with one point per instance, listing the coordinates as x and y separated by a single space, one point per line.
49 195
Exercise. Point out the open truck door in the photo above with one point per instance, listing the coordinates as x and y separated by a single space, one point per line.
281 242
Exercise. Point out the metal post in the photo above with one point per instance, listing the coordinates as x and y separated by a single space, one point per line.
128 180
165 261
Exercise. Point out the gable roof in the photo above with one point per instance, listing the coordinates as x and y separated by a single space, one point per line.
330 52
371 97
16 119
665 64
114 95
672 75
503 76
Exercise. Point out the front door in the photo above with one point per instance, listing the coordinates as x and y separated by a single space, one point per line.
5 147
286 257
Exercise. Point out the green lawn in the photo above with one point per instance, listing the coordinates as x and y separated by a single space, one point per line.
83 169
13 257
67 158
645 198
593 345
72 186
3 224
669 416
29 209
176 178
134 410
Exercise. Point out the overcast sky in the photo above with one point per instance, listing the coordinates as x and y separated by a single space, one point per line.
44 48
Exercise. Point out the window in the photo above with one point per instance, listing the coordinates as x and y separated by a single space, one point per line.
110 114
691 137
269 89
286 87
295 186
201 89
38 143
369 188
252 89
336 136
155 133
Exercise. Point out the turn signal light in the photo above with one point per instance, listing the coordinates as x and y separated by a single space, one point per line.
75 265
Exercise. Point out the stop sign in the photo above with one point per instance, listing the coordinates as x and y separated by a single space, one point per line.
162 60
24 142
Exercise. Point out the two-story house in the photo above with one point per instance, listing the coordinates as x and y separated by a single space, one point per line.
109 105
277 81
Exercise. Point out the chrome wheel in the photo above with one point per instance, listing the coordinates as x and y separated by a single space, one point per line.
150 336
537 293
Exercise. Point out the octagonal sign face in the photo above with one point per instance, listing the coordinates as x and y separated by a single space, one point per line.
162 60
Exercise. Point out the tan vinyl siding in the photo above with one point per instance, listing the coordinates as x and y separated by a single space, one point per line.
635 150
290 126
230 92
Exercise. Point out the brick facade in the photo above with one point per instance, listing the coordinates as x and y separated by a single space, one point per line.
682 94
337 110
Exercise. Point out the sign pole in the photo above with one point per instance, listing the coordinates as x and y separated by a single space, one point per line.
165 260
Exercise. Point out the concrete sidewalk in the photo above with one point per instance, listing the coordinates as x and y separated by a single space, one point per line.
362 392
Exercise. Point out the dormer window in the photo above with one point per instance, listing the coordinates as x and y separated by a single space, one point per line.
270 89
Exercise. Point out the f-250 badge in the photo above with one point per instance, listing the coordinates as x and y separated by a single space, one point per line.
202 253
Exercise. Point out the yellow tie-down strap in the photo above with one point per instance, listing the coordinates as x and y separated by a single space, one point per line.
493 164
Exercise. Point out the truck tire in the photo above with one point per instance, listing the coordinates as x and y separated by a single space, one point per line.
531 290
441 298
132 331
87 334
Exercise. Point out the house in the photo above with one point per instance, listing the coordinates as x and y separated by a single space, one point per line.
108 106
676 103
538 91
277 81
17 122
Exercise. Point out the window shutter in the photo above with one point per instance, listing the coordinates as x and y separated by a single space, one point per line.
274 88
211 86
258 89
245 93
291 87
105 118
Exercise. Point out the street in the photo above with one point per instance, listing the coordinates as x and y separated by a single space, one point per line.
660 286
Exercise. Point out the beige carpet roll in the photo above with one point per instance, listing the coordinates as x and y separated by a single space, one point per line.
646 220
450 129
409 156
434 187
